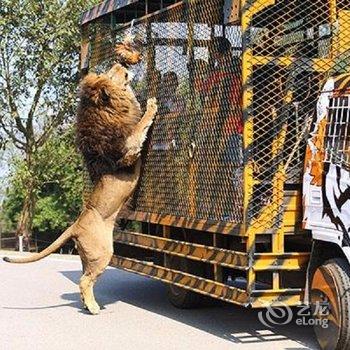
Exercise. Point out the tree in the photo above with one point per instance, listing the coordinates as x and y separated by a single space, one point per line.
39 54
59 170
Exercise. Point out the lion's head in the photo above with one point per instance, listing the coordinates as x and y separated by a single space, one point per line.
99 89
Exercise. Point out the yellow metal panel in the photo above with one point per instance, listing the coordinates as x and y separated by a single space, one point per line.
248 137
319 65
293 204
344 32
333 21
260 5
322 65
278 299
291 217
263 60
290 261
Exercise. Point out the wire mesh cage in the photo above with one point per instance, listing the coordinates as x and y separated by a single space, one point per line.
337 140
292 47
235 95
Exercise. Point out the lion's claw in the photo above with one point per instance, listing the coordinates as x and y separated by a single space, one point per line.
152 105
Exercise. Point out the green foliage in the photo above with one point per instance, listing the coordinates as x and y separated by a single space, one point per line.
39 72
39 55
59 186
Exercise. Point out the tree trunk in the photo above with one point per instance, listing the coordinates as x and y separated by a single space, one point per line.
24 226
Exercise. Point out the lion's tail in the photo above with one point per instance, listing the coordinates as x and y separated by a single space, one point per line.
66 235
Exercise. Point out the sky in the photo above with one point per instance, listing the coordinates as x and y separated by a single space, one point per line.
4 171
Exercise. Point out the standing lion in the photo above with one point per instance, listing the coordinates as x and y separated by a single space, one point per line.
110 133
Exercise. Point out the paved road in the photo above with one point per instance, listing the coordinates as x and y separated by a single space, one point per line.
40 309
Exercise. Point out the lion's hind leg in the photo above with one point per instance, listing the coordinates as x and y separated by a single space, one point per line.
87 294
93 270
95 245
84 265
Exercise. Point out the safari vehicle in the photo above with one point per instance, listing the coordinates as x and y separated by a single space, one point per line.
245 189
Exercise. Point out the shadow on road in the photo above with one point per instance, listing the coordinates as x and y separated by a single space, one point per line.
229 322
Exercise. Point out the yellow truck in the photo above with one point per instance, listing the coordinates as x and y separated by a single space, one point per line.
245 189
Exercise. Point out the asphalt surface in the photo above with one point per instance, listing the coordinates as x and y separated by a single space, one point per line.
40 309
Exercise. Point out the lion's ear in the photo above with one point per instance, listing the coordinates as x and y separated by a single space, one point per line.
104 95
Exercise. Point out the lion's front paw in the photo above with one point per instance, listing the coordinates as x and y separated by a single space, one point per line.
152 105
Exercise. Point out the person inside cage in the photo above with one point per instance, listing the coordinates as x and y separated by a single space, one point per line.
223 108
152 81
170 136
169 99
199 74
222 88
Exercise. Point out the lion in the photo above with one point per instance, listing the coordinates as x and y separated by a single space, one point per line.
110 135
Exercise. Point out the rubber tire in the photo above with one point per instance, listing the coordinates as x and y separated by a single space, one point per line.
180 297
336 274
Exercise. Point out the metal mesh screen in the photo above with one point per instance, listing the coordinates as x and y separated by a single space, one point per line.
193 166
337 144
208 77
194 160
294 46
